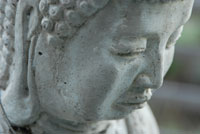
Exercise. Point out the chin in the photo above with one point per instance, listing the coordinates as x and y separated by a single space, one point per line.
121 111
115 113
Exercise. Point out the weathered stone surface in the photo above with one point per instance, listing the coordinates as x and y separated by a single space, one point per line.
139 122
76 66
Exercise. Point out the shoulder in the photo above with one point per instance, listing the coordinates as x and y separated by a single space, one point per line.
142 121
4 129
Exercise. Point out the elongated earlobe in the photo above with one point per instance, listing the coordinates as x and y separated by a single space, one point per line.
20 97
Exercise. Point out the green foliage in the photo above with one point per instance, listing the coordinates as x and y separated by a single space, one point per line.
191 33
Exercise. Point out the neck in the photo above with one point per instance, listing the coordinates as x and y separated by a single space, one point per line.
50 125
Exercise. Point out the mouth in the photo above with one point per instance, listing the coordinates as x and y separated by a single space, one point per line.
130 105
133 103
136 101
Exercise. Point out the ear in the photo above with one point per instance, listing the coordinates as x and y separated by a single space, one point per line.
20 98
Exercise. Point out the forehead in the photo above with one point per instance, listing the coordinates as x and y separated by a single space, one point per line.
150 17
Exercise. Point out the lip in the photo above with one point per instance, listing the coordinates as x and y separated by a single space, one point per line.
132 102
136 100
131 105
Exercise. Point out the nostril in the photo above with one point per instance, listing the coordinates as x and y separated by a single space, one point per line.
143 80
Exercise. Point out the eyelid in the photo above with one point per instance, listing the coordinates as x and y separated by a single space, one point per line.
127 53
174 37
129 46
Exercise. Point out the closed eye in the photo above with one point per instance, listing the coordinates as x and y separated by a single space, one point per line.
174 38
129 47
127 51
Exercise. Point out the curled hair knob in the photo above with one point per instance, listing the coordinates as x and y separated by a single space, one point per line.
13 2
2 5
43 7
47 24
6 40
55 12
68 3
52 1
99 3
86 8
1 31
63 29
9 12
2 15
74 18
8 26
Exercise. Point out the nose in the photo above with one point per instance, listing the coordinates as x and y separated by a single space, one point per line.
151 75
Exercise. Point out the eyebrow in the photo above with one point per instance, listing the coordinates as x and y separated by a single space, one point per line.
138 35
155 1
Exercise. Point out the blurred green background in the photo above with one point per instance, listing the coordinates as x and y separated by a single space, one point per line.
176 105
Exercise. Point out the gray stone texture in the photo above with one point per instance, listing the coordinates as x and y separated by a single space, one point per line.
85 66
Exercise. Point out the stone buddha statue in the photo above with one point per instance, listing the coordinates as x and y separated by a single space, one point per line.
85 66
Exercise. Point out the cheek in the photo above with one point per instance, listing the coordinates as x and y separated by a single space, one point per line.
168 58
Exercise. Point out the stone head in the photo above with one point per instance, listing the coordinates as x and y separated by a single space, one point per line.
86 60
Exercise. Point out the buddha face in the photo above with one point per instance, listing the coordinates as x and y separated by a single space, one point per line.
113 64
